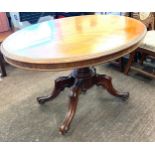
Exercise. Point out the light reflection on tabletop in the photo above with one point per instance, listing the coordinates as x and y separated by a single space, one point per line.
81 36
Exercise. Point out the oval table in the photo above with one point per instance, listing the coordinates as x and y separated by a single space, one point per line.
77 43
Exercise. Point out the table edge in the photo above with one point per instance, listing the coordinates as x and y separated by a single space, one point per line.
71 65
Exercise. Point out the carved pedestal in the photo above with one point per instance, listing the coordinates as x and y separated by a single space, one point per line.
79 81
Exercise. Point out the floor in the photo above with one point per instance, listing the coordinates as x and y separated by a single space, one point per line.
99 117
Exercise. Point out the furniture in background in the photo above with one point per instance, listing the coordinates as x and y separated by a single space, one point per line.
34 17
2 66
4 23
5 31
23 19
3 35
20 20
77 43
147 47
71 14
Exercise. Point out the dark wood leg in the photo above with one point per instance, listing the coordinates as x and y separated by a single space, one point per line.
3 71
131 59
122 64
80 81
60 84
143 58
75 90
106 82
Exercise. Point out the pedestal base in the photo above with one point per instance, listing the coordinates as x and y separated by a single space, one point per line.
79 81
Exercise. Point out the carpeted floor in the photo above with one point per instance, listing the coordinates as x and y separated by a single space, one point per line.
99 117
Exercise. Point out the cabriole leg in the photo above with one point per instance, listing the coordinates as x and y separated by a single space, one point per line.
60 84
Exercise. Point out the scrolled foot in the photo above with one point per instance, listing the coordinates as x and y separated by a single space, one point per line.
75 91
42 100
106 82
63 129
60 84
124 95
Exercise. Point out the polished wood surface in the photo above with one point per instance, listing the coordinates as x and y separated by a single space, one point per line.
72 40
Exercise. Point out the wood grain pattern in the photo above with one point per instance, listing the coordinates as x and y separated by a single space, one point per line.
72 40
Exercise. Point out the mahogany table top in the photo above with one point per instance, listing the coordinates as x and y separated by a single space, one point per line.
73 42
